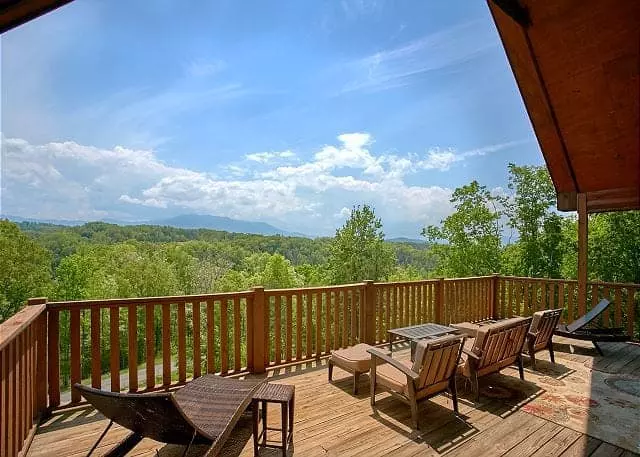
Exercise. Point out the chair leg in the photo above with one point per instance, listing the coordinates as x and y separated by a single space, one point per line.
532 356
551 355
372 388
454 393
595 343
356 380
413 403
330 364
475 387
520 367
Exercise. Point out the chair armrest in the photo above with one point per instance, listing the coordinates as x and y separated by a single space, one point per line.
473 355
377 354
532 335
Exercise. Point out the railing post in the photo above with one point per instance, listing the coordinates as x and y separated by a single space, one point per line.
495 297
439 302
369 313
259 335
41 357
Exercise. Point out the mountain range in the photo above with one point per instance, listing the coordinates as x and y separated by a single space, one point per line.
186 221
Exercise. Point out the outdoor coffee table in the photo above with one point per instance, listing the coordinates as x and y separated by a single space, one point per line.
418 332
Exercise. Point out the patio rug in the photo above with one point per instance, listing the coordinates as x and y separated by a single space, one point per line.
603 405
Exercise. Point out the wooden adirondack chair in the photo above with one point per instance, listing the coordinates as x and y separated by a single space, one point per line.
540 334
495 347
432 372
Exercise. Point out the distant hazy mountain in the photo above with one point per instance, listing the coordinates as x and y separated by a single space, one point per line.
403 239
222 223
186 221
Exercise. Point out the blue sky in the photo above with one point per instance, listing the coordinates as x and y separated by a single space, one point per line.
287 112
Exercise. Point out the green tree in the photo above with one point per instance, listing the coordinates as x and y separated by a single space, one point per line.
25 269
468 241
358 251
539 243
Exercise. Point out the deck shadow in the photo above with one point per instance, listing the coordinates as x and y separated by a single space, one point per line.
440 428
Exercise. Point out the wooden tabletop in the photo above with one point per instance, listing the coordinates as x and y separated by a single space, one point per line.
417 332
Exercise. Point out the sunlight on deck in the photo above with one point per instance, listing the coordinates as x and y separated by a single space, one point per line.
510 418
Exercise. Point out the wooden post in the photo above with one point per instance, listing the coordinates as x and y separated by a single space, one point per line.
369 313
41 357
258 312
494 296
439 302
583 229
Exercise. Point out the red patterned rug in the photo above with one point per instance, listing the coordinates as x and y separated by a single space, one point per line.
603 405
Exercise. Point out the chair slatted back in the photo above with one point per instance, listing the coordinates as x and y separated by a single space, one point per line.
544 323
503 342
590 316
437 359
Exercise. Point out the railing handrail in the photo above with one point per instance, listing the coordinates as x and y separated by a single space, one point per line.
13 326
172 299
596 282
294 290
415 281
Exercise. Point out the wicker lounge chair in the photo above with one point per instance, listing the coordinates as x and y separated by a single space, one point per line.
432 372
203 412
540 336
495 347
583 328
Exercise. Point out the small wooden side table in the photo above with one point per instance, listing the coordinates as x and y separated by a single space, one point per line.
283 394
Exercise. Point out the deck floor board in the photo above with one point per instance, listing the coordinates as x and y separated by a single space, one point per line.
330 421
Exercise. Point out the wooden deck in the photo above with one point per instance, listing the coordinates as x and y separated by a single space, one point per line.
329 421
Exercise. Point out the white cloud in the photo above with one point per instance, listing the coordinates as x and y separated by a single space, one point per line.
72 181
265 157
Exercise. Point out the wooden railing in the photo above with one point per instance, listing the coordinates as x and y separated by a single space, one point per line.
145 344
173 338
308 323
406 303
524 296
23 395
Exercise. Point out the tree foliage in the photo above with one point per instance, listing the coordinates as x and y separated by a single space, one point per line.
358 251
468 241
25 269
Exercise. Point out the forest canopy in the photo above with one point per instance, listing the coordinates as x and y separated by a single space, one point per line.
513 231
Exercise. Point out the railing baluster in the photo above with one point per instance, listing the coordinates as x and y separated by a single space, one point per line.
299 329
224 336
288 303
4 404
132 346
166 344
150 345
618 307
114 343
278 329
182 342
11 400
570 292
249 310
318 346
197 347
344 341
237 355
326 299
75 353
211 340
631 311
335 302
96 368
606 322
53 347
309 315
